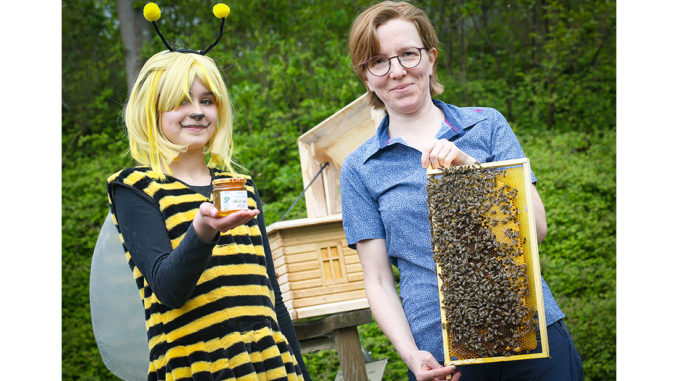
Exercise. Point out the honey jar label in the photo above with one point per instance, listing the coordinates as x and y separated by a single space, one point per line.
233 200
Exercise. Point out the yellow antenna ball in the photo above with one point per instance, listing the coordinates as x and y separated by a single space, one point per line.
151 12
221 10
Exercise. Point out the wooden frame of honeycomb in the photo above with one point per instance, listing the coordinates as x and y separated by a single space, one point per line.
484 239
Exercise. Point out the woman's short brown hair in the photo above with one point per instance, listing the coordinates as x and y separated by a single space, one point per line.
364 44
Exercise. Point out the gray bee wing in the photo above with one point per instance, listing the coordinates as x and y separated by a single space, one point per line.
117 313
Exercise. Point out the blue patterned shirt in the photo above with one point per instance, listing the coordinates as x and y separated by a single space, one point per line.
383 195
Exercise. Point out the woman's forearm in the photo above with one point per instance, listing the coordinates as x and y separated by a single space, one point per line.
383 296
539 214
390 316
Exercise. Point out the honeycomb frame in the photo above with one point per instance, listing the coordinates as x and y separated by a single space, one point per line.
518 177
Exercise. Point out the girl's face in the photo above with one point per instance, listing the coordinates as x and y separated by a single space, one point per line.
402 90
191 124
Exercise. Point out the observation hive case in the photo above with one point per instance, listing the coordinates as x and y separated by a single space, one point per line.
484 240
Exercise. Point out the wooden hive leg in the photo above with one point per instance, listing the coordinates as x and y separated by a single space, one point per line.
350 354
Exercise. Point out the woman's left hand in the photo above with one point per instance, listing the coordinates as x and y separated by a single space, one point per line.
442 153
425 367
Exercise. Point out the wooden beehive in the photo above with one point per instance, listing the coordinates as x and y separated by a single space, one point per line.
318 273
330 142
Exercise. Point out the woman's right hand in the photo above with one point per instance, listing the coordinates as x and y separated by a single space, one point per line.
426 368
206 222
441 153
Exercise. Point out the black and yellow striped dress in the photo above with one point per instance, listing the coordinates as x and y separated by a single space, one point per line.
227 330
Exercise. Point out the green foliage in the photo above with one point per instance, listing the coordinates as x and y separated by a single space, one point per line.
378 346
549 66
322 365
84 209
577 183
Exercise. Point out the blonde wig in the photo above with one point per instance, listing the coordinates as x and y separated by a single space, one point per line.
164 81
364 44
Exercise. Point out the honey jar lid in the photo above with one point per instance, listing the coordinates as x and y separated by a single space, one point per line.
233 180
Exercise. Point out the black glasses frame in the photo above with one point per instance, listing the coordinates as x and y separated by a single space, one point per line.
365 64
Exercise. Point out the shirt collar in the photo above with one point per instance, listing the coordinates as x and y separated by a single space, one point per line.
458 119
455 121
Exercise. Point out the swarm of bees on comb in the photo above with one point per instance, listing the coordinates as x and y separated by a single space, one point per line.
479 254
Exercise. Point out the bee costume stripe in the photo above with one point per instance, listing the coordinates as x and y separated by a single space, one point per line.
228 328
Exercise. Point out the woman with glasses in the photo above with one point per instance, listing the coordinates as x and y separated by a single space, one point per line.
393 48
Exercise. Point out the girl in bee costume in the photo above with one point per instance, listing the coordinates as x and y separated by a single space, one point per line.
212 303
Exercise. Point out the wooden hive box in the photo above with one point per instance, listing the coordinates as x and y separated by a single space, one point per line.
318 273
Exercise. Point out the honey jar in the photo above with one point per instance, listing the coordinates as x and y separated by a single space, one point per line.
229 195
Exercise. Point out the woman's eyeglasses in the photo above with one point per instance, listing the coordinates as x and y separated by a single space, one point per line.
381 65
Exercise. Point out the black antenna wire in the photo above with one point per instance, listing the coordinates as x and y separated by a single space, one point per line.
162 37
221 32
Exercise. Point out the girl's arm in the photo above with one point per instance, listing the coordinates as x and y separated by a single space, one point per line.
171 274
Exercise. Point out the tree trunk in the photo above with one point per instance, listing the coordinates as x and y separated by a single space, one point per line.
134 29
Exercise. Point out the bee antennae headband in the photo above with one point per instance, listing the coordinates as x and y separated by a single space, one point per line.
152 14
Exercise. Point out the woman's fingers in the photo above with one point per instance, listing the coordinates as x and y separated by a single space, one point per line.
426 368
437 155
441 154
425 153
444 153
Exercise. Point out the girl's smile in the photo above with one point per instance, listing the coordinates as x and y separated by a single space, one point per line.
192 123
